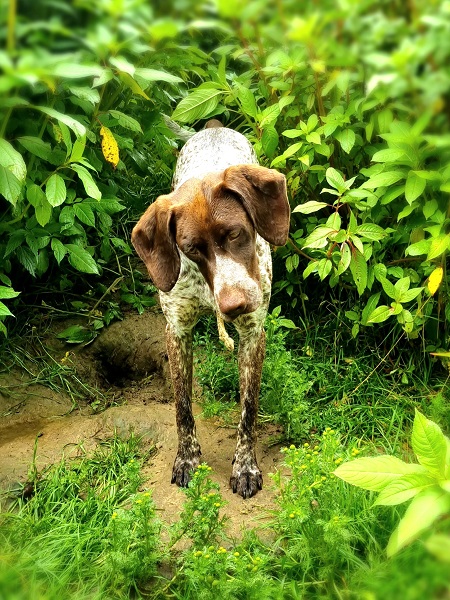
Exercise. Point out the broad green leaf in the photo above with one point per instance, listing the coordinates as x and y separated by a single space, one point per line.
311 268
292 149
409 208
318 237
197 105
4 311
59 250
309 207
429 208
269 141
383 179
314 138
78 149
414 187
88 182
10 186
84 213
388 287
81 260
76 71
358 269
388 155
410 295
405 488
335 179
13 161
324 267
156 75
424 509
418 248
36 146
346 139
7 292
380 314
429 444
371 231
55 190
375 473
246 99
334 220
438 246
292 133
78 128
126 121
370 307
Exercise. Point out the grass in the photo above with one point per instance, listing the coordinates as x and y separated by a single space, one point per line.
91 531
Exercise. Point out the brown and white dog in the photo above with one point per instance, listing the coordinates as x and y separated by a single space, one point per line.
206 248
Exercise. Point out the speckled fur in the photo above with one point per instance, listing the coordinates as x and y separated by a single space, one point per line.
213 150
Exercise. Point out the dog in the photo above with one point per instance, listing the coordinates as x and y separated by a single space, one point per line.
206 248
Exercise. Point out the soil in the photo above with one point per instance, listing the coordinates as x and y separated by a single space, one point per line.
127 365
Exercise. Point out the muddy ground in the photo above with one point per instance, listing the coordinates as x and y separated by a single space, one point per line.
127 364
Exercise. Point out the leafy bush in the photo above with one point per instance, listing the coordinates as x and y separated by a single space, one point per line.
427 484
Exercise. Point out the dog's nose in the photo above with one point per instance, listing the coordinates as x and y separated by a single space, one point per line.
232 306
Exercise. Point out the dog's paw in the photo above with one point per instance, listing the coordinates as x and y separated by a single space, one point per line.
246 480
183 468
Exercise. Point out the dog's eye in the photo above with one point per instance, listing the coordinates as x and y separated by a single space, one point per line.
191 250
234 234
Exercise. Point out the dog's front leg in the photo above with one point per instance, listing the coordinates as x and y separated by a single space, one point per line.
246 477
179 350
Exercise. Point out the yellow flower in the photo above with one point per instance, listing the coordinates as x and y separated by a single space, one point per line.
435 279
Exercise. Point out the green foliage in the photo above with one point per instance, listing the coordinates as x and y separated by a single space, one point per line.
82 513
357 124
427 484
200 520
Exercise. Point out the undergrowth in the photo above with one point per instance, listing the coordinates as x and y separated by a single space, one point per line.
311 382
91 530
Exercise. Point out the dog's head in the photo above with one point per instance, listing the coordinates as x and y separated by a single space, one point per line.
214 222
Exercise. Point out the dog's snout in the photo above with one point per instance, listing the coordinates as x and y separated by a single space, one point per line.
232 305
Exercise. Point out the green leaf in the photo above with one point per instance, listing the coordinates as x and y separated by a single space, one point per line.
156 75
292 133
424 509
36 146
358 269
13 161
7 292
403 489
43 212
59 250
81 260
344 261
383 179
371 231
429 444
89 184
388 155
4 311
10 186
246 99
375 473
311 268
291 150
309 207
78 128
439 546
410 295
269 141
78 149
126 121
388 287
197 105
84 213
346 139
318 237
380 314
335 179
324 267
438 246
370 307
55 190
418 248
414 187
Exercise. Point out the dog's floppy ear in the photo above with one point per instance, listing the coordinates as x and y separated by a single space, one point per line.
154 241
263 194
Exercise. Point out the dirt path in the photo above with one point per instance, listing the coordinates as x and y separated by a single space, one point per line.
143 409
